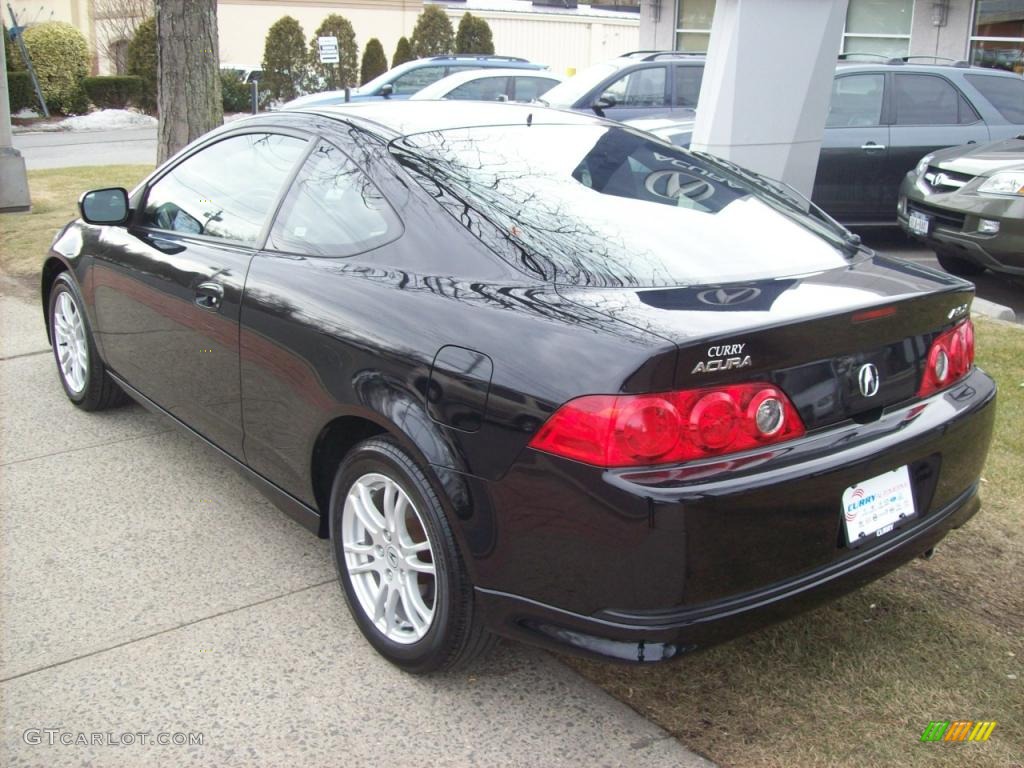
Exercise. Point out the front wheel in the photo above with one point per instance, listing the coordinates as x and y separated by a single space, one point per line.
85 380
398 564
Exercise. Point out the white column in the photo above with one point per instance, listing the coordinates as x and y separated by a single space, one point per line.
13 181
767 85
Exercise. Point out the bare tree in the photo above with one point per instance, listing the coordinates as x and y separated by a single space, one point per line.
188 72
116 22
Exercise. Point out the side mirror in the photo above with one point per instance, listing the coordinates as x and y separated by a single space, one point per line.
386 90
104 206
607 101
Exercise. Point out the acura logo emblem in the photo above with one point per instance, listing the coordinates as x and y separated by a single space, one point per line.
673 185
727 296
868 380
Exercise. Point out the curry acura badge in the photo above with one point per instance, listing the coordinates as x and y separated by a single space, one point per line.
723 357
868 380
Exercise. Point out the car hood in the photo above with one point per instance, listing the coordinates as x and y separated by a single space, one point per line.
980 160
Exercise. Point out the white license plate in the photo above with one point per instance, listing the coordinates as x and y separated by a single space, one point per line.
919 223
875 507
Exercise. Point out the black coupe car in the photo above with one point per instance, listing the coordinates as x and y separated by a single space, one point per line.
534 373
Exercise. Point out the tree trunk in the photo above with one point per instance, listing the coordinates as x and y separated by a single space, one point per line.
188 73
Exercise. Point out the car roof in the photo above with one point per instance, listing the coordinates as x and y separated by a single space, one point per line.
404 118
473 74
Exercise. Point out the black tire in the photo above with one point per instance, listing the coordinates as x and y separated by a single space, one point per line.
456 636
956 265
98 390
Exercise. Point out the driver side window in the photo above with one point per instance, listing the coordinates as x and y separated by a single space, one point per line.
225 190
640 88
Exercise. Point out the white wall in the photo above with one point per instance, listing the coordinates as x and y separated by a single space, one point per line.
562 41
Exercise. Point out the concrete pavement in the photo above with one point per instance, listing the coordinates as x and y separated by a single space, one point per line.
146 588
57 149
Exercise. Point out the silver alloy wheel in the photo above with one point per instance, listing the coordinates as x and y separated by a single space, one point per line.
69 338
389 558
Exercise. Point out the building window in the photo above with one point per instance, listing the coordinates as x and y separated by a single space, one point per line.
998 35
878 27
693 27
875 27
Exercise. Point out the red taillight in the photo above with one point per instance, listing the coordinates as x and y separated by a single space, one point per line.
670 427
949 359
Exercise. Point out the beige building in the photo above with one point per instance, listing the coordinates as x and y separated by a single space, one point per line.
563 38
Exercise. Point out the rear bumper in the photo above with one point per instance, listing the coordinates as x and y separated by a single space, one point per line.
650 636
648 566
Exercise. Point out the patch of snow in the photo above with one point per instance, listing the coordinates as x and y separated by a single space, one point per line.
100 120
25 114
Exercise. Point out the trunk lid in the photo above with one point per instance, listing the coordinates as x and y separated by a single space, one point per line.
812 336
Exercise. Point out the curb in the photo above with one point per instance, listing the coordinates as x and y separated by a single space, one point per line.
993 310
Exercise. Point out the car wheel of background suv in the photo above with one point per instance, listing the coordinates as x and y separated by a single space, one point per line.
399 566
956 265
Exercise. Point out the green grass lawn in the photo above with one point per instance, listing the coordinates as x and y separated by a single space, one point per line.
852 684
856 682
26 237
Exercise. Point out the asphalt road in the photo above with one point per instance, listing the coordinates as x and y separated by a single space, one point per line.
146 588
58 149
1001 289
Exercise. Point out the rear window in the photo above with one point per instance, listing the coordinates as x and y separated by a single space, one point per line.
601 205
1006 94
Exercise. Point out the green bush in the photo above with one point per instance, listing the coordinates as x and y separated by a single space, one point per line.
433 34
474 35
60 57
374 61
236 95
20 92
284 60
403 52
141 62
114 91
332 77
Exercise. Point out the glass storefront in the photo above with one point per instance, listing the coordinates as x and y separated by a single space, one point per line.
997 39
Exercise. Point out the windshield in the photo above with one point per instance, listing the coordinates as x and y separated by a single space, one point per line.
604 205
579 85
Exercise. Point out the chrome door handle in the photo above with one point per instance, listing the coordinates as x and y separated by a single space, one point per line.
871 146
209 296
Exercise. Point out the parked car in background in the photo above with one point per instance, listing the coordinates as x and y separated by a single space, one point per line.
403 81
967 203
633 85
247 73
491 85
532 372
883 117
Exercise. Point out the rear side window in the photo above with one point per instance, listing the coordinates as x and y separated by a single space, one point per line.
225 190
416 79
930 100
688 81
856 101
1006 94
640 88
482 89
530 88
332 209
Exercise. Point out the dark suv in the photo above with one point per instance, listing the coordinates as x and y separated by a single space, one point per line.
884 116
